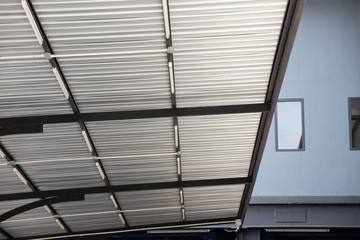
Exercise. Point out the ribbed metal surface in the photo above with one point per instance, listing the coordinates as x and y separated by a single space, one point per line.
136 137
16 34
217 146
167 199
224 50
59 141
110 82
223 55
95 203
27 86
212 202
9 182
43 225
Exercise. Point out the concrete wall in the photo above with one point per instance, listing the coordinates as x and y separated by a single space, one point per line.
324 70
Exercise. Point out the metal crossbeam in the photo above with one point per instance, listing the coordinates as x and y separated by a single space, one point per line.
125 188
86 234
122 115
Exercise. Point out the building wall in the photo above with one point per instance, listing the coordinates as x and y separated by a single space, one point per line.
324 70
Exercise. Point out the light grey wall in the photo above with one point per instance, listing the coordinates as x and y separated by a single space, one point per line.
324 70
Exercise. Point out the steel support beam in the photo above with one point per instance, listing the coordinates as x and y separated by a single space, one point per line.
124 188
6 234
286 40
122 115
133 229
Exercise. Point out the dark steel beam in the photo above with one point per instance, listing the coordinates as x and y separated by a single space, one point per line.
168 225
285 43
30 184
6 234
354 130
20 129
124 188
39 203
121 115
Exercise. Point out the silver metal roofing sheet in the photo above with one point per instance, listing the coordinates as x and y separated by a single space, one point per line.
136 78
95 212
113 56
38 220
143 149
27 86
9 182
212 202
224 50
217 146
41 156
157 206
16 35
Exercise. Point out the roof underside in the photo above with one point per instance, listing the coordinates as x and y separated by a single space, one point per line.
122 55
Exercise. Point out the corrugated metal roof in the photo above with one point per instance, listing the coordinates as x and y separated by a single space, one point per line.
157 206
217 146
224 50
119 55
95 212
207 202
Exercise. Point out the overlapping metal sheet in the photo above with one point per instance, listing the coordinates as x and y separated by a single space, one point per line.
119 55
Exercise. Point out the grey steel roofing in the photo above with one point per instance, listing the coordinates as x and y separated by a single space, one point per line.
122 55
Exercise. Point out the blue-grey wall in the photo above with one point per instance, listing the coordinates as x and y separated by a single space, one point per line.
324 70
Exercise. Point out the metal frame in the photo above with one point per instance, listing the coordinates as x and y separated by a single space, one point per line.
301 100
288 32
351 132
125 188
132 229
286 41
